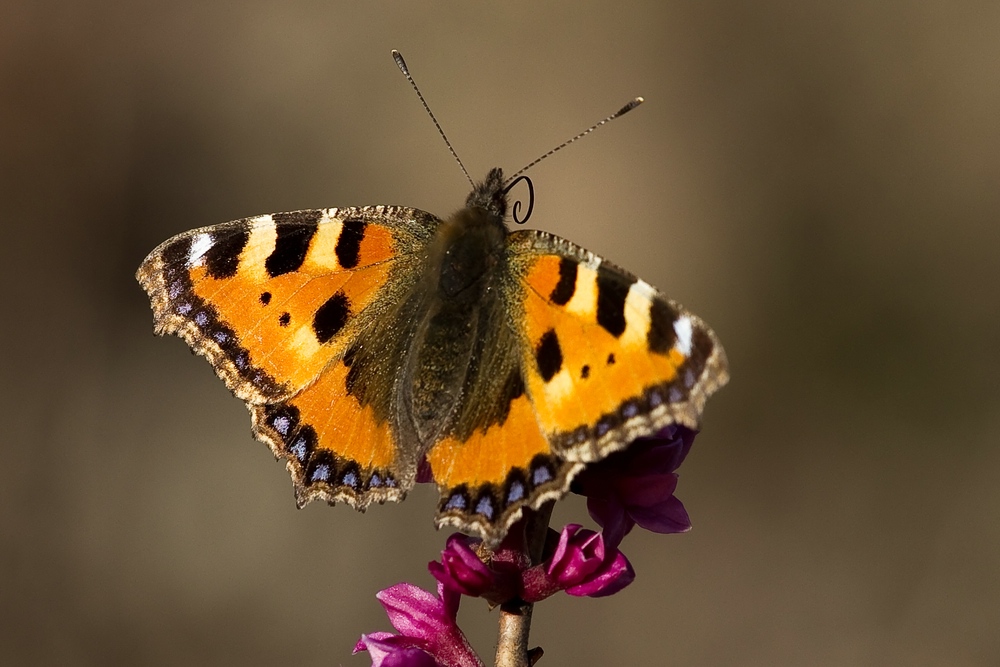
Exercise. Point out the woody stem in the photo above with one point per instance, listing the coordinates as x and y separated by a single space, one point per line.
515 615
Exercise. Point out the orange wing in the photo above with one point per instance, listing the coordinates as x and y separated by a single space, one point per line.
606 357
489 475
274 302
597 359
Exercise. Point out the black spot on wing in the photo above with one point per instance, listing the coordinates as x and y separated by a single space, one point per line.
175 256
331 317
612 290
549 355
265 298
701 349
513 389
223 257
566 287
294 234
285 319
349 243
661 334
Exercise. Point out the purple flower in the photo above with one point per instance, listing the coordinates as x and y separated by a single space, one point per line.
582 565
424 473
389 650
636 486
461 570
428 635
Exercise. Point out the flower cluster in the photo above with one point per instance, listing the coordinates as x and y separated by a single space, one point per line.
634 487
581 564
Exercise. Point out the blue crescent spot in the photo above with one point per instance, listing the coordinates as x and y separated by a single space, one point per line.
516 492
456 502
281 424
485 507
540 475
299 449
322 472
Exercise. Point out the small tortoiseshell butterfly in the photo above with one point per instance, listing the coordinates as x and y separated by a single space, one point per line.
369 341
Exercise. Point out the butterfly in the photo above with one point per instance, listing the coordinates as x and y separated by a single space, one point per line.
370 343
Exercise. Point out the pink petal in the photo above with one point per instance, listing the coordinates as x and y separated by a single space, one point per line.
389 650
413 611
613 576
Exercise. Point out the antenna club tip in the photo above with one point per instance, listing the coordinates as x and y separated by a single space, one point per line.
631 105
398 57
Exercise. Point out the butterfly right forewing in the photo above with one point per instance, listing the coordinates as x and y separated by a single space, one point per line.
606 357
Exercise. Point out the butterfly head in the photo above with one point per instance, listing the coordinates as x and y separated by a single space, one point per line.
490 195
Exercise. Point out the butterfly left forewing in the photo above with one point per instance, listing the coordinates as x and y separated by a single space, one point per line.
274 302
271 300
606 357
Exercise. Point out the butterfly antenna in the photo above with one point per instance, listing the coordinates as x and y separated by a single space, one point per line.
621 112
398 57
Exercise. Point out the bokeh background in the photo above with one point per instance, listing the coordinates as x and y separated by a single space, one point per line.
819 181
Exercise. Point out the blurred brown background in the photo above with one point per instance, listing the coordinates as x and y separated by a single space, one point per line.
819 183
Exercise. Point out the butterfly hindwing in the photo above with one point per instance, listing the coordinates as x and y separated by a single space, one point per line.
606 358
275 302
494 461
337 448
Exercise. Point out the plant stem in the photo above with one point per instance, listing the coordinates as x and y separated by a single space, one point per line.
515 615
512 642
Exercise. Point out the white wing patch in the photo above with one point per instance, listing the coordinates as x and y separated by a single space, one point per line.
682 327
200 244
